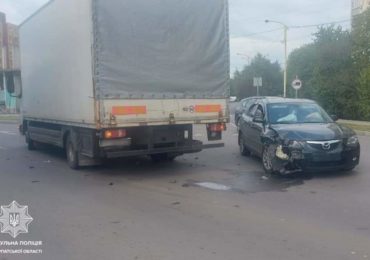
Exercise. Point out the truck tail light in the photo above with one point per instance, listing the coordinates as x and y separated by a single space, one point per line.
220 127
115 133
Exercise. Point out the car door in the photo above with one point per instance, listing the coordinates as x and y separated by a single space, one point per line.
256 129
245 125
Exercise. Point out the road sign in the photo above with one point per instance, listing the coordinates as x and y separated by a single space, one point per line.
297 84
257 82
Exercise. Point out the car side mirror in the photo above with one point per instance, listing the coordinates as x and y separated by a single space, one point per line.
258 117
334 117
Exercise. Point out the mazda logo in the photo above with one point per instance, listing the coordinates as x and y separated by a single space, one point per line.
326 146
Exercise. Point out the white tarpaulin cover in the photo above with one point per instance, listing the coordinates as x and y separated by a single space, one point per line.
161 48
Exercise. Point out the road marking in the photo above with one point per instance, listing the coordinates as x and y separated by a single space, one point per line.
213 186
2 148
233 125
7 133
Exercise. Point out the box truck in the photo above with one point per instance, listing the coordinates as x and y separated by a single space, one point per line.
119 78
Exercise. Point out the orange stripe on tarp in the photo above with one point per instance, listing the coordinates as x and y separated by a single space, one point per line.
207 108
128 110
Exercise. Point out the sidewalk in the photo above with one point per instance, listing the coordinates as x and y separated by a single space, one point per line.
364 123
9 118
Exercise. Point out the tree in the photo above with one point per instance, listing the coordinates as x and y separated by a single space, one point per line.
333 74
325 66
301 63
242 82
361 59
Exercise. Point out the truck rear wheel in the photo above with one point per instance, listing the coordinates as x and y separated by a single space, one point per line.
30 143
72 154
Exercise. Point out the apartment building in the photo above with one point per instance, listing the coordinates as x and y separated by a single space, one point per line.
9 62
359 6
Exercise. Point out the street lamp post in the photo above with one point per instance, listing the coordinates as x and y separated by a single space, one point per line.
245 57
285 27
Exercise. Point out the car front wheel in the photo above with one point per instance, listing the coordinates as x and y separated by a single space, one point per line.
267 159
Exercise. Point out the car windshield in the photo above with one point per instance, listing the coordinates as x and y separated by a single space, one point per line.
297 113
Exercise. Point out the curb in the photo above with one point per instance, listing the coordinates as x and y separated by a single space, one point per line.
10 122
362 133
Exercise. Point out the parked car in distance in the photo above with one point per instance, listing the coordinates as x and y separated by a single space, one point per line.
233 99
296 135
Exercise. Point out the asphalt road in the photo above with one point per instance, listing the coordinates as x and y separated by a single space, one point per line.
134 209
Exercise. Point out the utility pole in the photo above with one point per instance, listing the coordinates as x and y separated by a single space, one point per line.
286 28
286 59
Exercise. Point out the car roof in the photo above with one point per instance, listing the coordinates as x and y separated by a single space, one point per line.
283 100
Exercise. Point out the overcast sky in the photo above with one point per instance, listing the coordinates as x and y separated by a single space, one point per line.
246 18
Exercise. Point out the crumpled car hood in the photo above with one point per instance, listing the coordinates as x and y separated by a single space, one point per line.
313 132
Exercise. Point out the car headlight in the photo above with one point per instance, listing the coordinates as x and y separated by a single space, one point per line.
297 144
353 141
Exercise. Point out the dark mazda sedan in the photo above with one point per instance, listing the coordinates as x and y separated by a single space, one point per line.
295 135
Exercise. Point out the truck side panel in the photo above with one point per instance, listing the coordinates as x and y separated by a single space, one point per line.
57 63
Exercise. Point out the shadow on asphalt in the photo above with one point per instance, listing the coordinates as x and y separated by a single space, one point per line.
245 182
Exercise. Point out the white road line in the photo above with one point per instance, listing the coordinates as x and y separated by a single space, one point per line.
7 133
233 125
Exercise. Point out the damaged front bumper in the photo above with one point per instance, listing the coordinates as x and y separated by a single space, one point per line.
288 159
294 157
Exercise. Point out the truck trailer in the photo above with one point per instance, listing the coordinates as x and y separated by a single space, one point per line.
119 78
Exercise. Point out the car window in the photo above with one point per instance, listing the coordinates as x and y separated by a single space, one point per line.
251 111
297 113
245 103
248 103
242 103
259 108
